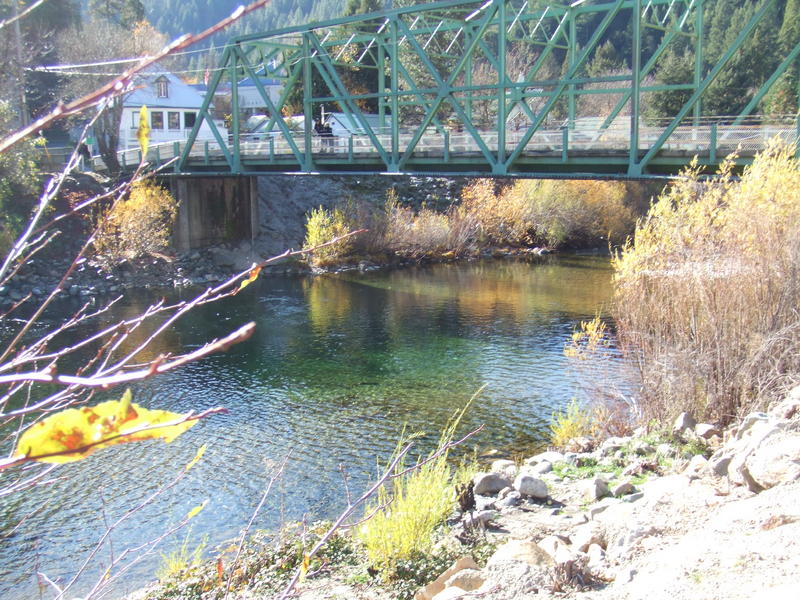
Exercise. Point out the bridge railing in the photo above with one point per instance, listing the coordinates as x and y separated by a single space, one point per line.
709 139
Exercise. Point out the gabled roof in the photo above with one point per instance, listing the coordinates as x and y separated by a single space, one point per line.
181 95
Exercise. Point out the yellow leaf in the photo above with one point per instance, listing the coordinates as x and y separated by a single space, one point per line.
74 433
197 457
254 273
196 510
304 567
143 134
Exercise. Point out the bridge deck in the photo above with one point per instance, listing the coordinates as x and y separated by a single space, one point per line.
548 152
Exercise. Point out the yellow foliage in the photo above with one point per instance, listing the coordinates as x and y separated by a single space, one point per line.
575 422
707 293
143 133
416 504
137 225
182 558
587 339
74 433
322 226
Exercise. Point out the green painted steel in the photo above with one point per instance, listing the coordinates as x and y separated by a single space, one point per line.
481 87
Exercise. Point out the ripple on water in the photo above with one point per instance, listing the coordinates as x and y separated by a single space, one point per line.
336 368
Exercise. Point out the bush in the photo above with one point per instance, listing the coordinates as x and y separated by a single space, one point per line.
135 226
707 295
409 513
322 226
574 423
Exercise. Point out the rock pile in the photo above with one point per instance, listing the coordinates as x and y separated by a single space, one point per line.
588 523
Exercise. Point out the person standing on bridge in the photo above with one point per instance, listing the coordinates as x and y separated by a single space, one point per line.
319 129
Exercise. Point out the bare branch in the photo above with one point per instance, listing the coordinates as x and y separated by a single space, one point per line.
22 15
274 477
120 85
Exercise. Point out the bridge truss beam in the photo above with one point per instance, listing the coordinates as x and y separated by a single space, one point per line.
481 87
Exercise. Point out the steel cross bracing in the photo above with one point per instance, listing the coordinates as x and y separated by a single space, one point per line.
491 87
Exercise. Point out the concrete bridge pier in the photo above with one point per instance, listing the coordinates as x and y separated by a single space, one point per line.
213 210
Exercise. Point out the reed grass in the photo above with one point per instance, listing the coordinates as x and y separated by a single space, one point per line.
707 292
406 515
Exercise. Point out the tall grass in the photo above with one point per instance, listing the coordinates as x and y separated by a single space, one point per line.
707 294
409 512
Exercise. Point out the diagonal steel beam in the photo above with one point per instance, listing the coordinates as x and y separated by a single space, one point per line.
712 75
273 113
204 116
332 80
445 88
572 71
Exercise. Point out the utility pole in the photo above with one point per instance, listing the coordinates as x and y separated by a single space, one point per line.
23 99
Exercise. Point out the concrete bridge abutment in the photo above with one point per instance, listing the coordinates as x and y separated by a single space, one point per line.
214 210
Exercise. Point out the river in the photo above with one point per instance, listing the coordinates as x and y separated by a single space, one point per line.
338 366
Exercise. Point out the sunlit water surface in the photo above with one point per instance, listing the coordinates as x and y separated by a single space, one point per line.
338 365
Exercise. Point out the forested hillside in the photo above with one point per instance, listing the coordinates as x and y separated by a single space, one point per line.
175 17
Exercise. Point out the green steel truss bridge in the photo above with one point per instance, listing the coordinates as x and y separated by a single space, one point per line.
467 88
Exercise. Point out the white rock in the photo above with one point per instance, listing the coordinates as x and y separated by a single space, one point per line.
481 517
596 554
528 485
666 450
586 535
788 408
539 468
525 551
623 488
776 460
706 430
512 499
451 593
612 444
551 544
432 589
505 467
684 421
549 456
490 483
467 580
697 467
594 489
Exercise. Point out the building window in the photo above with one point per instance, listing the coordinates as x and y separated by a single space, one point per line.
189 119
135 120
174 120
162 87
157 120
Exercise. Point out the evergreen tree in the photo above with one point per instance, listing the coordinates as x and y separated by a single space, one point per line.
124 13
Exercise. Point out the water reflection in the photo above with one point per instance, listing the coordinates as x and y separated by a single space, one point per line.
337 366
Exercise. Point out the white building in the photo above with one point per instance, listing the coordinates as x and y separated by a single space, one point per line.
173 107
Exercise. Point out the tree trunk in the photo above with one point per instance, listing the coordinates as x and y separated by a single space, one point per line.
106 130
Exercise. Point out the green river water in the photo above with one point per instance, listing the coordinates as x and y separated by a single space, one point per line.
338 365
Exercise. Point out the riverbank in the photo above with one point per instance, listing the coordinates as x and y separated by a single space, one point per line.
690 512
199 267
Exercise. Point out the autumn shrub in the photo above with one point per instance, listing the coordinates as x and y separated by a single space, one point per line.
136 225
707 293
549 213
322 226
407 513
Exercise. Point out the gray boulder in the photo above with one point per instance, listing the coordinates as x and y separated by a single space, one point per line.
531 486
488 484
683 422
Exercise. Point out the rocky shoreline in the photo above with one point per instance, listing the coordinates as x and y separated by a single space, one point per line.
688 513
726 526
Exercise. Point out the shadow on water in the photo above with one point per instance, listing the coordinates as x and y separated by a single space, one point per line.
337 366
